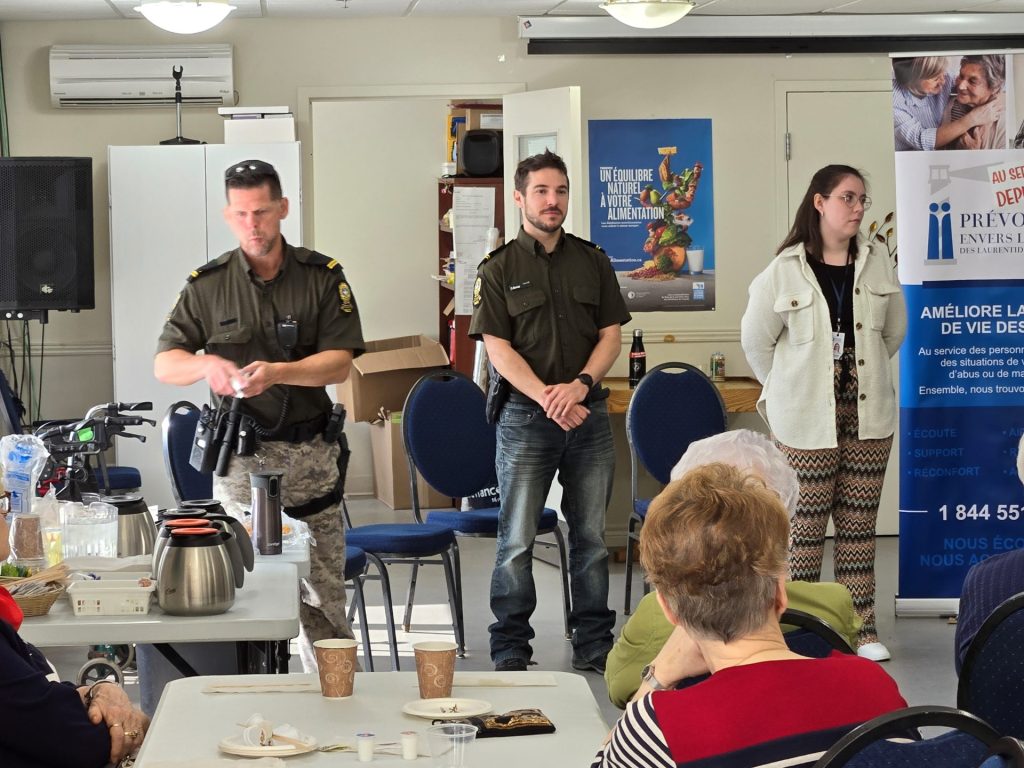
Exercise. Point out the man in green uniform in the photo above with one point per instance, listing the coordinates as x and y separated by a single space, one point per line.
547 307
276 324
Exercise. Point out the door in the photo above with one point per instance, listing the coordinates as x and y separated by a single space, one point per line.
539 120
842 126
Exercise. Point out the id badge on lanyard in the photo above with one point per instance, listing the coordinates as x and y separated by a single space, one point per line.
838 339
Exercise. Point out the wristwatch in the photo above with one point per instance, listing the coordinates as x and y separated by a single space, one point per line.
647 675
587 379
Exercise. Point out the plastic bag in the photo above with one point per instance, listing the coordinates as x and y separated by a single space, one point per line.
295 532
22 458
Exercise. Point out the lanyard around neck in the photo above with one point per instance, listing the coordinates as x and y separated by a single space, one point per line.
840 292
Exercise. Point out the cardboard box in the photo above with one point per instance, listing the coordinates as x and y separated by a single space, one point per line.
391 469
383 375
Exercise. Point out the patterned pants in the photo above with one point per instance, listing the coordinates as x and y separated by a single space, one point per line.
310 470
845 483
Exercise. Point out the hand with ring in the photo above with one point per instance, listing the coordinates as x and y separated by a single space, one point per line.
109 704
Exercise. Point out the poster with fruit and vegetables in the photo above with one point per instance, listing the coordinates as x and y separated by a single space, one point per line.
652 210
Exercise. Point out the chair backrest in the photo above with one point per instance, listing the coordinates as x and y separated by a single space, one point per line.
813 636
866 746
179 429
1008 752
992 675
447 437
673 405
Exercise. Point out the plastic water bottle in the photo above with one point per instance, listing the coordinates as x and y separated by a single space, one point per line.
637 359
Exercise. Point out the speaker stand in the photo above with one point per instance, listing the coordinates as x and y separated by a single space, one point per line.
42 315
176 73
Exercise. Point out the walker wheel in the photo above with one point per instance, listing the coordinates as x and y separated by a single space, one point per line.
95 670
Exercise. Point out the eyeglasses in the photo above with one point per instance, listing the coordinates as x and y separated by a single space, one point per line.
851 199
250 169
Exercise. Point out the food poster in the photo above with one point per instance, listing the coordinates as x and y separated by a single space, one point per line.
652 210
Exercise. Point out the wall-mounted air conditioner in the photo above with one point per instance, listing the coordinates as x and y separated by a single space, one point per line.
140 75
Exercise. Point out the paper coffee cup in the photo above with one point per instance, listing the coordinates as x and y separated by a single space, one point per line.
336 662
435 668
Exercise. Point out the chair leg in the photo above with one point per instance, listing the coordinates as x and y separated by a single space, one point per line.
629 564
407 620
455 599
359 602
389 615
457 569
564 573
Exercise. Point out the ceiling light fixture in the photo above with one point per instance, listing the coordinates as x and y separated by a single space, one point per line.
185 17
648 14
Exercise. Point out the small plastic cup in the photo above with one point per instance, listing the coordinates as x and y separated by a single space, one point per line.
449 742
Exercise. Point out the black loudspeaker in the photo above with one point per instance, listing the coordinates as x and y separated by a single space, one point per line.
481 153
46 239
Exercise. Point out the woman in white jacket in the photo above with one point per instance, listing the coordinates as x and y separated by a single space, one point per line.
821 325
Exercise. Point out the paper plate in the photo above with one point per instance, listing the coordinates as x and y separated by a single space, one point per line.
446 709
233 745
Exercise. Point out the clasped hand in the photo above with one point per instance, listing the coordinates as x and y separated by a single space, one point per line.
563 404
110 705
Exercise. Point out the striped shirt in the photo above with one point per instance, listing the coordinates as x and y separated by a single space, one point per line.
774 713
917 118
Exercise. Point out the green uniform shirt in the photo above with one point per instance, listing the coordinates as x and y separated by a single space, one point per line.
226 310
550 307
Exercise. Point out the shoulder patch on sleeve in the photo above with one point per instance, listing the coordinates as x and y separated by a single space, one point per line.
210 266
585 242
497 251
317 259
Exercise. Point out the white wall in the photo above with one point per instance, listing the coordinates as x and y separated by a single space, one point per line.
274 59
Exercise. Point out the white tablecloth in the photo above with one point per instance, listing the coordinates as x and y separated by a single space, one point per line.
189 724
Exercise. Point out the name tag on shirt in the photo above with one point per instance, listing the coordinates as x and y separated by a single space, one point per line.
838 339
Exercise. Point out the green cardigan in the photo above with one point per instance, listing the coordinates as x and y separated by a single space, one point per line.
648 629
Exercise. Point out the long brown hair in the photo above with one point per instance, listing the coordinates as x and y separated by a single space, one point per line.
806 227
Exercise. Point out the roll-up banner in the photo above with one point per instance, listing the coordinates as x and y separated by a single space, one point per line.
960 234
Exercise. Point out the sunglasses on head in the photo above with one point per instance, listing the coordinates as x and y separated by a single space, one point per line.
249 169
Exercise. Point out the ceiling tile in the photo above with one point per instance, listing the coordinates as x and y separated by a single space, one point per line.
488 8
1001 6
912 6
55 10
336 9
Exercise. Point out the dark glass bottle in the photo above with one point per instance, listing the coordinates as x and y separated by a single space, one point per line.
637 359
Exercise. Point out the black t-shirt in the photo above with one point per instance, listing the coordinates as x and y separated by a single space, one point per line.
837 282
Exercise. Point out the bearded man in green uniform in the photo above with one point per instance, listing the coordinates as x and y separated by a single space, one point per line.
548 308
276 325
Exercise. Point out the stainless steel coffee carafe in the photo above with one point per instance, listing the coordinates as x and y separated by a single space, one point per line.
136 531
266 511
195 576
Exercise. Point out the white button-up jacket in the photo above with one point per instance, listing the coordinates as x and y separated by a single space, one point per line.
786 334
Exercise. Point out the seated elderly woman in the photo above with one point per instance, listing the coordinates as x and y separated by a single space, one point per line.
48 724
647 631
714 545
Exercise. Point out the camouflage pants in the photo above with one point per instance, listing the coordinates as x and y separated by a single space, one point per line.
310 471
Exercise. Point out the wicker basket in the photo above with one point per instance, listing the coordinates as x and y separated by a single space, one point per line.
38 604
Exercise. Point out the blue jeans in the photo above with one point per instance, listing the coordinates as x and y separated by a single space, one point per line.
531 448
